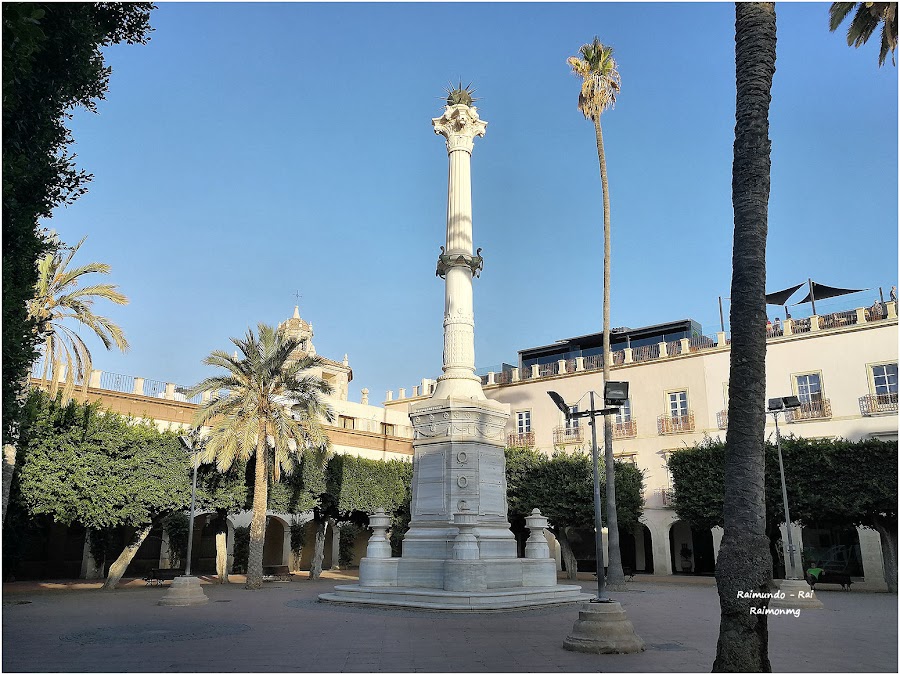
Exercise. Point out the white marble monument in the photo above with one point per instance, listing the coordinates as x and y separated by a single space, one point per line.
459 553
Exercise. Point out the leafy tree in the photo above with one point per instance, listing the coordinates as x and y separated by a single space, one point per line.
353 488
562 487
743 563
839 482
57 297
52 64
251 418
600 84
98 468
864 23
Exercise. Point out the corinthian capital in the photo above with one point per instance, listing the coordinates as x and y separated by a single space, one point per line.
460 125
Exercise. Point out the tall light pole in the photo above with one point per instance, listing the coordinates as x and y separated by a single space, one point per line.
796 592
189 446
777 405
614 395
186 590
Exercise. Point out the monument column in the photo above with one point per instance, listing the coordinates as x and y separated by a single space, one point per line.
457 265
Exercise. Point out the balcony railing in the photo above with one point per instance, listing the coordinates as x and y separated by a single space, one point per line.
877 404
811 410
567 435
625 429
667 424
525 440
665 495
722 419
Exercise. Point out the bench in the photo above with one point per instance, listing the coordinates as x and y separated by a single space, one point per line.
159 575
276 572
830 578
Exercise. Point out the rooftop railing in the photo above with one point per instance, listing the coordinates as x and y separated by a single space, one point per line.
676 348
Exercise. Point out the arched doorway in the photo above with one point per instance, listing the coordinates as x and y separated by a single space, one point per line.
691 549
636 547
273 548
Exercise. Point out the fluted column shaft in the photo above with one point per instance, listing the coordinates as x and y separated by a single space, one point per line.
459 125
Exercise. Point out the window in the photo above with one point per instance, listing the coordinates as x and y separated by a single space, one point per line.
523 421
387 429
809 388
346 422
678 406
624 414
884 379
572 422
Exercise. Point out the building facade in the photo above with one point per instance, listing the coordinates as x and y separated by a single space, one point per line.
842 366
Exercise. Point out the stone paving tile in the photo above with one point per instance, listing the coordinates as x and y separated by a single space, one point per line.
290 632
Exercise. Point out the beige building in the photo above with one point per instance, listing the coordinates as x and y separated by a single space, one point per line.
842 366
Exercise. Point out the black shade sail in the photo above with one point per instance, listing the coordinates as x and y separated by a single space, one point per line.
821 292
781 297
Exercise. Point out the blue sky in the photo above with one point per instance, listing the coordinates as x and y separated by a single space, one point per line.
251 150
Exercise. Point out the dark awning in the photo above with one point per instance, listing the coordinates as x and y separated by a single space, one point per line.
781 297
821 292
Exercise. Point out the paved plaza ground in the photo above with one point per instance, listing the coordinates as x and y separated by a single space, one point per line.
283 629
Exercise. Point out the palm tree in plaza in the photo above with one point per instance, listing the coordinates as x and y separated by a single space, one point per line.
600 83
865 22
266 406
58 296
744 562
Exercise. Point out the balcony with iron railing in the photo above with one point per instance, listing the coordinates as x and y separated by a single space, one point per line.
817 409
563 435
666 496
524 440
878 404
675 424
625 429
722 419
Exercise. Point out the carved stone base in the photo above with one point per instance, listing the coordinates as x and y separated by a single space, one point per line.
797 595
456 601
603 628
184 591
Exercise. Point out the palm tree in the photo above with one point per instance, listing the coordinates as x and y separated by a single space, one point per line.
262 407
744 563
599 88
57 297
865 21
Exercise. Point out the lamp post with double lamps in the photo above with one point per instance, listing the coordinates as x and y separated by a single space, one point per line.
186 590
602 627
798 593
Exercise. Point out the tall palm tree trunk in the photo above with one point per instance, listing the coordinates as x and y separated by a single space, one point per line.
117 569
615 577
744 563
258 524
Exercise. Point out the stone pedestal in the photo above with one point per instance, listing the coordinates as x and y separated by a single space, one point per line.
797 595
603 628
184 591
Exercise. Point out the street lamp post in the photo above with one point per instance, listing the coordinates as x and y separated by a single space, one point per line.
602 626
614 395
186 590
777 405
186 442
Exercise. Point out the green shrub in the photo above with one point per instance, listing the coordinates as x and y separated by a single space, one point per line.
241 549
